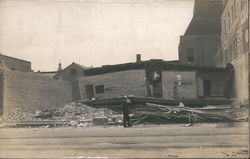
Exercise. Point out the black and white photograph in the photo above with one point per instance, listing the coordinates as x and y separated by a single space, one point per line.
124 78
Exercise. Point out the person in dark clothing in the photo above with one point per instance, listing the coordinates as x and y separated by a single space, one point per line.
125 111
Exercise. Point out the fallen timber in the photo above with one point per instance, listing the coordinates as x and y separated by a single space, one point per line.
158 114
163 111
116 102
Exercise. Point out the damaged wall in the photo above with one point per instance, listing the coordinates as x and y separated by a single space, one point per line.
186 89
131 82
241 76
33 91
218 83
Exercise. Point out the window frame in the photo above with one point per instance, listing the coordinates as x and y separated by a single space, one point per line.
190 54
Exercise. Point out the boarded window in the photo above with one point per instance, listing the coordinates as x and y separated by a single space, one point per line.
89 91
190 54
73 71
99 89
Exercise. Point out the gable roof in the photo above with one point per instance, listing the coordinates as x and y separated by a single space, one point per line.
73 63
83 67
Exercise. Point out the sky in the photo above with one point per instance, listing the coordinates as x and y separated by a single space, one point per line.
92 32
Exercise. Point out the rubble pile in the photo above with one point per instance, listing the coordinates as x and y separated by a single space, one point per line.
160 114
78 111
81 115
240 110
18 114
73 112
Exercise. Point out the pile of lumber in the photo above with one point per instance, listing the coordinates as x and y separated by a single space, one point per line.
160 114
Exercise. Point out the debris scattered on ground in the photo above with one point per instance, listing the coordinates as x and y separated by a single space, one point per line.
81 115
75 113
240 110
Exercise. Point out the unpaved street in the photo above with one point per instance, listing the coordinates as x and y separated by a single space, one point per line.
200 140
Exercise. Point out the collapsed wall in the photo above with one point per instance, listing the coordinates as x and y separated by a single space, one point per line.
33 91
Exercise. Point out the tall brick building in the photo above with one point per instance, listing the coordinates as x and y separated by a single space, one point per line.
218 35
202 37
235 43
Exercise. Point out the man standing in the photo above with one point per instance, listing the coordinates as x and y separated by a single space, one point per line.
125 110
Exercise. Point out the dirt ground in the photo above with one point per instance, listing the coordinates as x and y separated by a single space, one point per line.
223 140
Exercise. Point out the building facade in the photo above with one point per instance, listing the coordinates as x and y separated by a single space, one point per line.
153 78
218 35
235 44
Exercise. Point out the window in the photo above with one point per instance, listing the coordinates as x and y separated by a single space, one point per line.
232 14
190 54
246 36
230 53
73 71
225 28
179 79
99 89
226 57
229 20
235 48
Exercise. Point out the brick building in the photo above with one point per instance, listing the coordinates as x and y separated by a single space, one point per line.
235 44
218 35
72 74
153 78
202 37
14 63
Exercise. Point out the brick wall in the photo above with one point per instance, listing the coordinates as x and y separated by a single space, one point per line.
33 91
131 82
188 88
73 78
204 47
235 44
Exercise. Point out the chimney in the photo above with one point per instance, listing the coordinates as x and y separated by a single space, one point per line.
59 67
138 58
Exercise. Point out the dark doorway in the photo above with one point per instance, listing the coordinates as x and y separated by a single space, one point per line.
89 91
207 87
154 82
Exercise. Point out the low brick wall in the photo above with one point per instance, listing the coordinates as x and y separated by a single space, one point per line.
131 82
32 91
